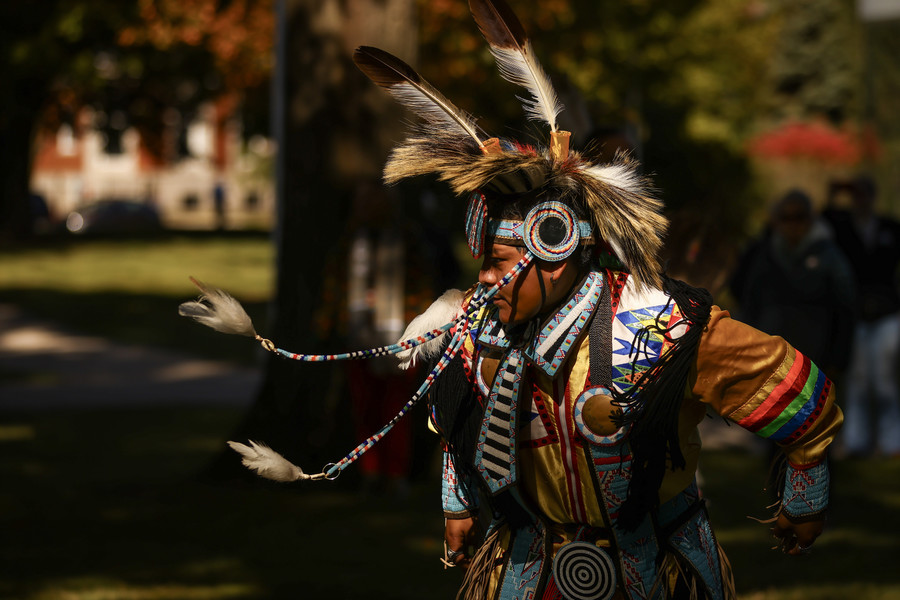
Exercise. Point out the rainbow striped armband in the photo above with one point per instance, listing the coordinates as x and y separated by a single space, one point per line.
789 404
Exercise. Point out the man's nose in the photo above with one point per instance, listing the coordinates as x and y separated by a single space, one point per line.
487 276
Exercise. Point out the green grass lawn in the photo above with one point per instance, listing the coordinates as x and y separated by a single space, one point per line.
108 505
130 289
111 504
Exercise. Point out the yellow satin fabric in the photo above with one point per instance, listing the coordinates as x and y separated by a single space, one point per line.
737 367
542 470
542 473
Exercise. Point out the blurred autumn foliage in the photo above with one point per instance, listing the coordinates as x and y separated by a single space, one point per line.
690 81
618 60
817 141
239 34
707 92
140 65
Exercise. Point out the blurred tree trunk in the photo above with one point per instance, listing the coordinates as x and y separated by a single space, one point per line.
20 102
17 123
335 130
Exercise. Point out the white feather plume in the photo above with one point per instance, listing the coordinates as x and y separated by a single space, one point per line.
441 312
219 310
268 463
522 68
621 175
515 58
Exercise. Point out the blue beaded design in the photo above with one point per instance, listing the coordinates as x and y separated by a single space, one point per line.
806 490
548 349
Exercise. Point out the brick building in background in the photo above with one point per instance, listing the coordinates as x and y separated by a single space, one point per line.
206 179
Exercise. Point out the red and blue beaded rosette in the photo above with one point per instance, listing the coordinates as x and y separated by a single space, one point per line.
551 231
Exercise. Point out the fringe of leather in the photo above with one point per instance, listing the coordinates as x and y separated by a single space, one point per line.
477 581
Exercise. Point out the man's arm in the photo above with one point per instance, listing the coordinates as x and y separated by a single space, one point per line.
460 511
763 384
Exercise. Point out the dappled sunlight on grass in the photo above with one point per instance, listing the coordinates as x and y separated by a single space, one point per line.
11 432
848 537
108 505
111 507
752 533
841 591
855 557
212 566
101 589
243 264
129 290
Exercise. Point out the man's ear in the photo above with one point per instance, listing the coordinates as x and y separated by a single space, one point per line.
556 269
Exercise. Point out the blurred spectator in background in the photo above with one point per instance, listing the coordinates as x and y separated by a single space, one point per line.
39 213
872 244
219 205
376 283
795 282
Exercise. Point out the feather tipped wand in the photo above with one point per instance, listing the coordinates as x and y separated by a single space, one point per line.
408 87
219 310
268 463
515 57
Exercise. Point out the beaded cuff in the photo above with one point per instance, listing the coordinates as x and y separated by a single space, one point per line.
453 498
805 491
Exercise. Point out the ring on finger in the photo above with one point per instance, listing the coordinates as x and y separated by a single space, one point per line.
452 554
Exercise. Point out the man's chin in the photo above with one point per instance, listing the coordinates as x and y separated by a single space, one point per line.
504 312
507 318
506 315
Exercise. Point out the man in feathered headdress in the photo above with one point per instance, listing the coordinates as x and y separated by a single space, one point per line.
567 385
573 403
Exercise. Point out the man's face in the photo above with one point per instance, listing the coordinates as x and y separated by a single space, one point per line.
520 300
793 222
523 299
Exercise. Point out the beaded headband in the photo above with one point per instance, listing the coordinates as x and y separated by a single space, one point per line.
551 230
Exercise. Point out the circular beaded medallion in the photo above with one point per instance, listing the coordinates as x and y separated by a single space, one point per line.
592 413
551 231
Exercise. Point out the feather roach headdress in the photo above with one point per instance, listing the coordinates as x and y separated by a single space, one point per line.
622 210
576 202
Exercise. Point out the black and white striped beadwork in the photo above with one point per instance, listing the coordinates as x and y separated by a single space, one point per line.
495 451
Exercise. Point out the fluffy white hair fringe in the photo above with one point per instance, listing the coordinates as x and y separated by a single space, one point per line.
219 310
441 312
268 463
